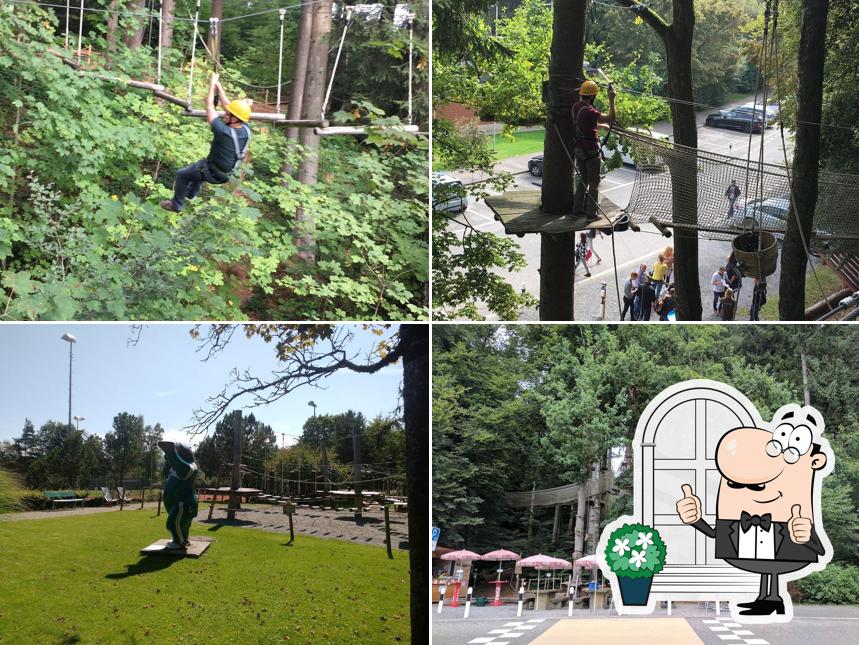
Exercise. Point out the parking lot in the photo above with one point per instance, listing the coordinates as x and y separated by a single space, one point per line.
630 248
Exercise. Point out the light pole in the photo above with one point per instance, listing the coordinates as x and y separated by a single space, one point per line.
324 452
78 422
71 340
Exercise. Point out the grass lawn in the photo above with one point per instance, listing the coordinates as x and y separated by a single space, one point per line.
829 280
523 143
81 579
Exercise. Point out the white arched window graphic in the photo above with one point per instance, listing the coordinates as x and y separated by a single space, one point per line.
675 444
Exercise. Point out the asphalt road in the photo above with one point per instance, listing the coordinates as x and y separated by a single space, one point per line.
493 626
630 248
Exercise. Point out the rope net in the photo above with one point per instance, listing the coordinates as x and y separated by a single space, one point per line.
764 207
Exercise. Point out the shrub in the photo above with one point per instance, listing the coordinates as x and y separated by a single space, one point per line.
623 552
837 584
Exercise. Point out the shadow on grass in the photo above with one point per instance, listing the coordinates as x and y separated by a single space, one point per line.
146 564
218 524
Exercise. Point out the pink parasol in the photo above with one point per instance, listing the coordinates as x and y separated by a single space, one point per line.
501 555
543 562
462 555
588 561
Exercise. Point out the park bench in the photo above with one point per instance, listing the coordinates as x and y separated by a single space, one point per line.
108 497
62 497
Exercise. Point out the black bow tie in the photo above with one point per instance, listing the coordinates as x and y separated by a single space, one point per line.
748 521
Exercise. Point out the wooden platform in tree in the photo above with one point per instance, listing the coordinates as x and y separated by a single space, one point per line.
198 547
519 212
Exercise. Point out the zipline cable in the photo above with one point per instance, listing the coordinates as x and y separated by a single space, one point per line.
160 30
411 20
80 31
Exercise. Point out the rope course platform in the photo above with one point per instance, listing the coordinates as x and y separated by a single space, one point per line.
835 221
519 211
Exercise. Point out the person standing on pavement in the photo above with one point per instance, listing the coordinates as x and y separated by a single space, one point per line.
759 299
646 298
727 305
660 270
734 276
629 291
581 254
719 285
636 305
586 148
592 235
732 193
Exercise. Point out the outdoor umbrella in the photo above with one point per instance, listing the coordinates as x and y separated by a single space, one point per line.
558 563
462 555
538 562
589 562
499 556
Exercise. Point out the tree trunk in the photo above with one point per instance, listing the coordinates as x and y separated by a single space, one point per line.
806 157
134 39
112 24
594 516
299 72
415 339
684 198
166 26
314 96
557 265
217 12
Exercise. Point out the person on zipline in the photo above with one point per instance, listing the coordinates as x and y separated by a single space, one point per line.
232 136
587 148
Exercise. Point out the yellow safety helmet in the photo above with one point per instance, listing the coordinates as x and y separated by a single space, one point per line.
241 109
589 88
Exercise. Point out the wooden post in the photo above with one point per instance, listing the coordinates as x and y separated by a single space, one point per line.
356 470
556 524
159 504
235 500
289 509
388 530
212 506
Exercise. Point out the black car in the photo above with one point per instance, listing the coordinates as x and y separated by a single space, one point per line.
535 166
746 121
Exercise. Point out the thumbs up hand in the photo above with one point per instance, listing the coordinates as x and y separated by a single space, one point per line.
799 527
689 508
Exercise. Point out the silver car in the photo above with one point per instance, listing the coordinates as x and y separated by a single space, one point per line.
448 194
769 214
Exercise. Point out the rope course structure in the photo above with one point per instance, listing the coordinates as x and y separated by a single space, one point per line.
657 161
320 125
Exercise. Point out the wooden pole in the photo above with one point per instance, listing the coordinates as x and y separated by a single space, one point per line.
388 530
356 470
159 504
291 529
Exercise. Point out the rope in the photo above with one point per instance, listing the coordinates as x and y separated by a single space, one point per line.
134 14
280 62
787 170
80 31
193 54
611 224
68 7
336 62
160 31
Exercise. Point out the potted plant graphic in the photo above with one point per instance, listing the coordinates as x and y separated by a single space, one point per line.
635 553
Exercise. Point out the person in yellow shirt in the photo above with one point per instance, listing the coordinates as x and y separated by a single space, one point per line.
660 269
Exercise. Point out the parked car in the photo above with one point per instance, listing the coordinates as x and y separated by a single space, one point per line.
771 110
535 166
448 194
737 119
770 213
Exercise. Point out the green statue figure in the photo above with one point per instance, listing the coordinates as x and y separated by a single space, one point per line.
180 497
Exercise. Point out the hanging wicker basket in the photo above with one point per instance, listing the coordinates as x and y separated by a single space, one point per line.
753 262
620 224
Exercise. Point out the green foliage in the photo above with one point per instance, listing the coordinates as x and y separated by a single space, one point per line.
11 489
81 578
837 584
215 452
124 446
635 551
82 236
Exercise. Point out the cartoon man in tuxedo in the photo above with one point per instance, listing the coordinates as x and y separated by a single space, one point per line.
764 512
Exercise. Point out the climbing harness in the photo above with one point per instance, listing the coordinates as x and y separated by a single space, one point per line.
241 151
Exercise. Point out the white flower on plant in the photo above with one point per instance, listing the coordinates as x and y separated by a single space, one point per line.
620 546
636 558
644 540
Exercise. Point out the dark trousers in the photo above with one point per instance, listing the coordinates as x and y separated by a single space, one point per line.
644 313
587 193
189 180
627 304
716 296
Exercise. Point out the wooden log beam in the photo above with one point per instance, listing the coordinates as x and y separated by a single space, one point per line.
345 129
172 99
266 116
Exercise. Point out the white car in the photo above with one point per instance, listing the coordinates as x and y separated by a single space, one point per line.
770 214
448 194
633 157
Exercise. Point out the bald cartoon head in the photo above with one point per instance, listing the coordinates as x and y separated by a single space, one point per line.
771 472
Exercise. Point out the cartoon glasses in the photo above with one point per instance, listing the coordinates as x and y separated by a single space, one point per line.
790 442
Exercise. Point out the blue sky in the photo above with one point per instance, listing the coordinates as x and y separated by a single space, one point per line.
163 378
